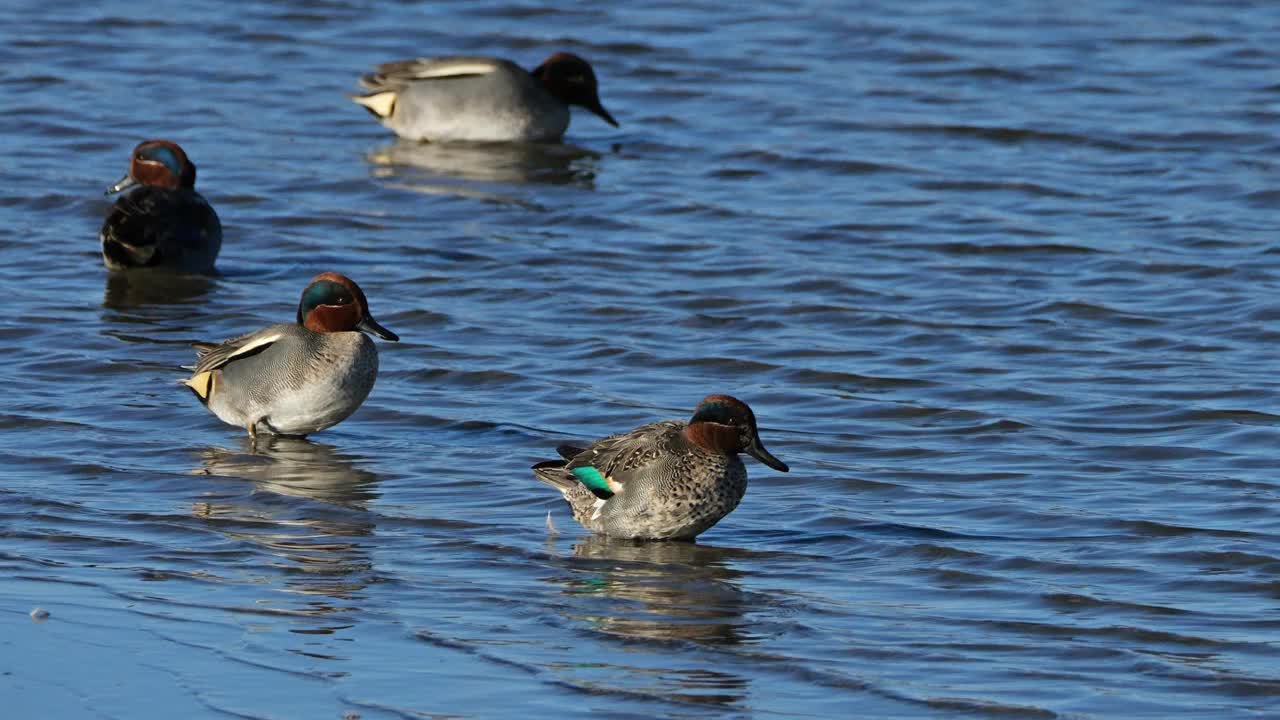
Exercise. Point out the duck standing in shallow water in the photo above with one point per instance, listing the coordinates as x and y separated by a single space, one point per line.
163 221
295 378
667 480
481 99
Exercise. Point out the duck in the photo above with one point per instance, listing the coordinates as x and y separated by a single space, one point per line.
668 480
298 378
481 99
162 222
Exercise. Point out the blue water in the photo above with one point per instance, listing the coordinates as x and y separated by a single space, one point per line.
1000 282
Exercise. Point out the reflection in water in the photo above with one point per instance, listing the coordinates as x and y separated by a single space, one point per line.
308 509
144 286
677 590
664 591
297 467
438 169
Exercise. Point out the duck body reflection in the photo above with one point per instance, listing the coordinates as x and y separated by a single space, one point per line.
650 595
660 591
308 508
295 467
136 288
474 169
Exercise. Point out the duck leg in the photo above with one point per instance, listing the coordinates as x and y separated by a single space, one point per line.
253 432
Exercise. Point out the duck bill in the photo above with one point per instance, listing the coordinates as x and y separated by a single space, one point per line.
595 107
123 184
371 326
758 452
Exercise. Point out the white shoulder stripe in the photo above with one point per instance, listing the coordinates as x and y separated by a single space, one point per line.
255 344
440 70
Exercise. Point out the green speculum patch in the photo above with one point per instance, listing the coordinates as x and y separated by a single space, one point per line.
594 481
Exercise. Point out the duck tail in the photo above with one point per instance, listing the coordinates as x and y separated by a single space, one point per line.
379 104
569 452
553 473
200 384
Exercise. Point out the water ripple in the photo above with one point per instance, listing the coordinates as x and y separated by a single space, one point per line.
997 285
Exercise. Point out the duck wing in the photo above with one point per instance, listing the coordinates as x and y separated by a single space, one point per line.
606 465
397 74
211 357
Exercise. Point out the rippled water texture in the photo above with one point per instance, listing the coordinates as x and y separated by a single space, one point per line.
1000 281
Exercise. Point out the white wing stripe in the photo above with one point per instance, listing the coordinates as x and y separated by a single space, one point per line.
257 343
451 69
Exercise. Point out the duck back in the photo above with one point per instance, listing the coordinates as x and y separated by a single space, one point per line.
161 227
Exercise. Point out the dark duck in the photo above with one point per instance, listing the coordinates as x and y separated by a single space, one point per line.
161 222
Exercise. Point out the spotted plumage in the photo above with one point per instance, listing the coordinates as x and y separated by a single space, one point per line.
162 222
668 480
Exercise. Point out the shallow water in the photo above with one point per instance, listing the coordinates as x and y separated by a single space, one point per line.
999 283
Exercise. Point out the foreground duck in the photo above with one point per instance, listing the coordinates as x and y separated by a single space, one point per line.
295 378
481 99
667 480
163 221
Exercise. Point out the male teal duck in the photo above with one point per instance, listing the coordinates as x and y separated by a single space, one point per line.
481 99
163 222
295 378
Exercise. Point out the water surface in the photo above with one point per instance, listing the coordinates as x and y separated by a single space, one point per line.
1000 284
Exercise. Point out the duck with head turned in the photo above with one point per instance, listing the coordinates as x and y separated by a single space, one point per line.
295 378
162 222
668 480
481 99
